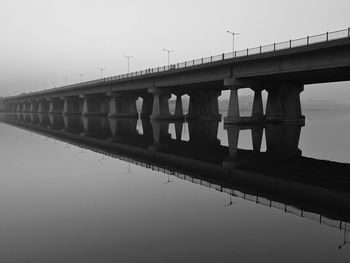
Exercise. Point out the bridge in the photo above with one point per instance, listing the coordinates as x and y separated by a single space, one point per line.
282 69
321 186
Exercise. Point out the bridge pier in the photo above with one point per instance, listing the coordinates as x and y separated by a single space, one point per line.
283 103
19 107
147 106
56 106
204 105
94 105
160 109
33 107
43 106
123 106
72 106
233 115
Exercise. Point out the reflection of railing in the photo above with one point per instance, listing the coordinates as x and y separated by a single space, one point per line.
266 202
306 41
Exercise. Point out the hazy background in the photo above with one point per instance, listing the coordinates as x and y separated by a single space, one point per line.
46 41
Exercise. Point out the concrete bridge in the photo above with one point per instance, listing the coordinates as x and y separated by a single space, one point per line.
321 186
282 69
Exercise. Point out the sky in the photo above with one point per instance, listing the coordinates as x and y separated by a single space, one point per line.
42 41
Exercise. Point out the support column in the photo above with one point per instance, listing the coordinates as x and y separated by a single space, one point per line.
56 106
179 113
72 106
94 105
123 106
233 115
43 106
283 103
160 110
204 105
147 106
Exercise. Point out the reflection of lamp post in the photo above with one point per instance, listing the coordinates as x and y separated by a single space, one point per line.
101 69
128 58
169 51
233 39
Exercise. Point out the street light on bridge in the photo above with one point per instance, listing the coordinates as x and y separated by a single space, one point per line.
101 70
233 39
169 51
80 76
128 58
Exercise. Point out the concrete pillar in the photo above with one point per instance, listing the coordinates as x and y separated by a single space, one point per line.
19 107
94 105
160 109
204 105
55 106
179 113
233 115
283 103
33 107
258 108
72 106
123 106
147 106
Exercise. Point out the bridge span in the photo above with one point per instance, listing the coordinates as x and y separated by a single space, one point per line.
282 69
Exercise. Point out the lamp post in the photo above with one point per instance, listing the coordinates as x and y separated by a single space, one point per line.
101 70
80 76
169 51
233 39
66 81
128 58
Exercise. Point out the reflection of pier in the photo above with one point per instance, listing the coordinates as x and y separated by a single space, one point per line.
302 186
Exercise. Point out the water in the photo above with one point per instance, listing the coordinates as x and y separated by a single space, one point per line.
60 202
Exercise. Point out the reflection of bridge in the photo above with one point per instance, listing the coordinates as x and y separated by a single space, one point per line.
302 186
281 69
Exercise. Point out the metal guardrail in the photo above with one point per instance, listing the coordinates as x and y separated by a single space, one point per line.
305 41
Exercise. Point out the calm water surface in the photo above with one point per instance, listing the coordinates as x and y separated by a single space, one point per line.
62 203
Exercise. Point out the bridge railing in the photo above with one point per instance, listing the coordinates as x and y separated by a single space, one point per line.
305 41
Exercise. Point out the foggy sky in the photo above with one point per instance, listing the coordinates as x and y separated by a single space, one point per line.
45 41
